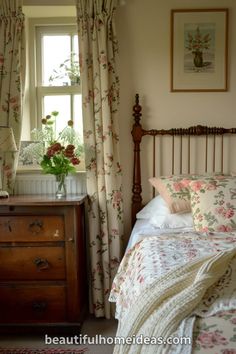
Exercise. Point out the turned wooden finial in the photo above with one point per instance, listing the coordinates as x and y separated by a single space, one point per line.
137 110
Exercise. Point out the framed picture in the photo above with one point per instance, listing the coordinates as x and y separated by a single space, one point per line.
26 161
199 45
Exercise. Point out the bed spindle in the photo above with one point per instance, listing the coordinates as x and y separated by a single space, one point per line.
214 153
181 154
154 163
222 154
206 155
189 153
173 155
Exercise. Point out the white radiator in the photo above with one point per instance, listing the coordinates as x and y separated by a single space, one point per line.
37 183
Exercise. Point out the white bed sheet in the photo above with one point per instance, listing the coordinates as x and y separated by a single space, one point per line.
142 228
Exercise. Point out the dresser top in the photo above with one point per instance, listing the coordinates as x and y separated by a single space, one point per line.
50 199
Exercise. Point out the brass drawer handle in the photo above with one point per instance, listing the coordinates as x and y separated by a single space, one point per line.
39 306
36 227
41 263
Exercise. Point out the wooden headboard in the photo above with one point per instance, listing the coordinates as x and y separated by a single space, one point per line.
138 133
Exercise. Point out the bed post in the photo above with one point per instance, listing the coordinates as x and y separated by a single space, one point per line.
137 134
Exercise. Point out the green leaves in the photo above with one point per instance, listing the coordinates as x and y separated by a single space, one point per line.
57 164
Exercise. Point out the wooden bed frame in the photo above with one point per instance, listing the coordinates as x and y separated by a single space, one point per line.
138 133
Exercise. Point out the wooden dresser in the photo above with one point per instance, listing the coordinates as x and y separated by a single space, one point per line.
42 263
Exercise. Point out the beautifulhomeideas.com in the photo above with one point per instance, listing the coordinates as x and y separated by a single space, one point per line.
99 339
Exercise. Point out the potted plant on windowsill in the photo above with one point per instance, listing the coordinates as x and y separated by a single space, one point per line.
68 69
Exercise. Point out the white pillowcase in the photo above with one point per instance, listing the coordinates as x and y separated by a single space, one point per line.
157 206
172 221
158 214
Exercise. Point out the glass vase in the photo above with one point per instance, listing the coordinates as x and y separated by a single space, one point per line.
60 186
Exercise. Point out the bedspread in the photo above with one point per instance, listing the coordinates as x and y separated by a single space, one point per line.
154 257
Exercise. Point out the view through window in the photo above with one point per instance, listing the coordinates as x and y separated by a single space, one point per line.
58 78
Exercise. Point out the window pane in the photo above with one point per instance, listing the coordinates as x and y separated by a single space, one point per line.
77 114
60 103
75 44
56 49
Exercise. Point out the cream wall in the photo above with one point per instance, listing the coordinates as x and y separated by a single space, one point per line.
143 29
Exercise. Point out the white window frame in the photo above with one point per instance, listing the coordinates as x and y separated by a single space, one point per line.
38 27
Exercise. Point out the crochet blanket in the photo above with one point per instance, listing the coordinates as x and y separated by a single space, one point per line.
167 301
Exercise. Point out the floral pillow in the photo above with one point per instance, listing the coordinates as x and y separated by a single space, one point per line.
213 202
174 190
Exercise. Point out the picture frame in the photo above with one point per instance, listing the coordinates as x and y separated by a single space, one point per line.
199 50
25 161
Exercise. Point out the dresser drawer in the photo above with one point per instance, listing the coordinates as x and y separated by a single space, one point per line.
32 263
31 228
34 304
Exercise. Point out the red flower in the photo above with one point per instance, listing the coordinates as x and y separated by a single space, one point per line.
75 161
69 151
54 149
57 147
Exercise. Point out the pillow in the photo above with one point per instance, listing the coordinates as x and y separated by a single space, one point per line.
172 221
156 206
213 202
174 190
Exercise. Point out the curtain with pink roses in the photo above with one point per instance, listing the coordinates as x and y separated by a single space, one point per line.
12 72
100 97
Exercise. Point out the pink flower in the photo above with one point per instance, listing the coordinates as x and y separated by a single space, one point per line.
211 186
103 58
117 197
220 210
199 217
185 183
13 99
224 228
229 213
229 351
191 253
210 339
196 185
204 229
177 186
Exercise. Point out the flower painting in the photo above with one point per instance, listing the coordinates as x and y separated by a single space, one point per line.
199 44
199 50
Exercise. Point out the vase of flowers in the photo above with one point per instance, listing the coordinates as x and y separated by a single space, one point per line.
61 186
60 160
198 43
58 156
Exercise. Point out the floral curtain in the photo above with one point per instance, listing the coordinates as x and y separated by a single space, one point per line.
100 97
12 73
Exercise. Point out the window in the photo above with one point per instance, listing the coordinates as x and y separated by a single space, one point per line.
54 74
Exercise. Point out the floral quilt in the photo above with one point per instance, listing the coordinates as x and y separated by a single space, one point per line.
154 256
